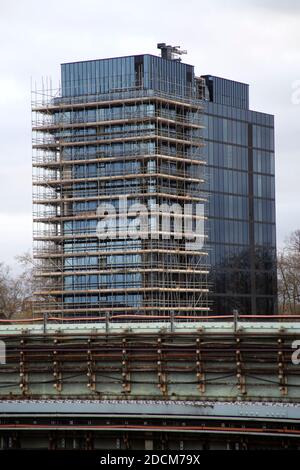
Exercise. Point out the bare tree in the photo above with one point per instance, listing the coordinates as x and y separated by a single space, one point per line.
16 290
289 275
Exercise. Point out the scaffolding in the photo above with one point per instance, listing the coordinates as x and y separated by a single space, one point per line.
137 144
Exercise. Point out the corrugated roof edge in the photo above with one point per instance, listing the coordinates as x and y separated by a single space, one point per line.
227 79
122 57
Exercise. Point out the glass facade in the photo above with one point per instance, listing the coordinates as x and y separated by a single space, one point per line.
241 187
126 128
144 72
145 129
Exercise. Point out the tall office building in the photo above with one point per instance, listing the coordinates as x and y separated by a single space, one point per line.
123 138
144 140
241 185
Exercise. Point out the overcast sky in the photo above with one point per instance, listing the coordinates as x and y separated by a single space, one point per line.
253 41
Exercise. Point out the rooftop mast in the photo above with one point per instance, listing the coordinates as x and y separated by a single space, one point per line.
170 52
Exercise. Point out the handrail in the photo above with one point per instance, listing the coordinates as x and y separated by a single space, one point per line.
150 317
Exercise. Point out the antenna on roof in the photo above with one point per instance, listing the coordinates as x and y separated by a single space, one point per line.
170 52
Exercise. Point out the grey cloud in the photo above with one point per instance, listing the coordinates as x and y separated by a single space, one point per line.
246 41
274 6
289 6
